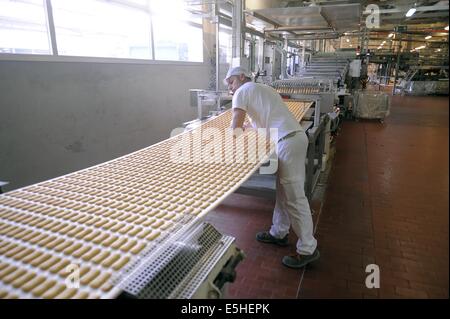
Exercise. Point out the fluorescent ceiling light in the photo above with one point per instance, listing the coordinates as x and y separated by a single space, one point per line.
390 35
419 48
410 12
428 37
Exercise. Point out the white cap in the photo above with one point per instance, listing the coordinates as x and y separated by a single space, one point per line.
236 71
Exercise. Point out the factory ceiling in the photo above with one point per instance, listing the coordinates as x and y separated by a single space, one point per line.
327 16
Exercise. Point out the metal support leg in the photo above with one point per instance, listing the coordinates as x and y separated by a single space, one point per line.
316 145
309 166
2 183
317 112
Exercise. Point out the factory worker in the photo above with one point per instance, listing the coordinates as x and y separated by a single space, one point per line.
267 110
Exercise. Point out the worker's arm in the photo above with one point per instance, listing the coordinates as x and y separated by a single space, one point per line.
238 118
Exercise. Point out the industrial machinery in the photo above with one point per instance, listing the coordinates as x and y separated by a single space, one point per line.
424 80
208 102
264 185
319 90
196 262
325 94
321 82
328 66
314 123
130 227
302 86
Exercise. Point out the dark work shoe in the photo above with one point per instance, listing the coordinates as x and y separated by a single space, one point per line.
300 261
266 237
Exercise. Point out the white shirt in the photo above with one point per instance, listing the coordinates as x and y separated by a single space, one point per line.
265 108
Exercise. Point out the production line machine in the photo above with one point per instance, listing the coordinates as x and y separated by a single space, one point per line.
320 93
132 227
330 68
424 80
302 86
208 102
324 92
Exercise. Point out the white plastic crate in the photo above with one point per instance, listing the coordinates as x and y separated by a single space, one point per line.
373 105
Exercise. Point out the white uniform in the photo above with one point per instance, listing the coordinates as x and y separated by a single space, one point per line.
267 110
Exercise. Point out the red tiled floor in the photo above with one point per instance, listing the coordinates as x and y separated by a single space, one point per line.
386 203
260 274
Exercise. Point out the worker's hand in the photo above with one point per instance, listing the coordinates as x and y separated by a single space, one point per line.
238 132
249 129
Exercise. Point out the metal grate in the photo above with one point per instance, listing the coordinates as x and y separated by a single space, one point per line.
302 86
160 273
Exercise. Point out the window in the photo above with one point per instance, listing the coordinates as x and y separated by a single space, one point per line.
178 34
173 44
135 29
101 29
225 45
225 53
23 27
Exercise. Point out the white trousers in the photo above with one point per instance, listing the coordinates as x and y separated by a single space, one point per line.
292 207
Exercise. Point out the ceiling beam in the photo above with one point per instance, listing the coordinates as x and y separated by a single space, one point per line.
327 19
298 28
263 18
421 16
315 37
408 40
404 9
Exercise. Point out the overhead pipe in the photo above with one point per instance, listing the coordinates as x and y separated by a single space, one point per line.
216 14
314 37
298 28
237 27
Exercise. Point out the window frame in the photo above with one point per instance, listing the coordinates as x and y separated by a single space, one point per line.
55 57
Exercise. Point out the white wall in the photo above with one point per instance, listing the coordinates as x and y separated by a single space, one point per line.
59 117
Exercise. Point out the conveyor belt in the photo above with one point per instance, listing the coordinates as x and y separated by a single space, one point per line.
298 90
302 86
103 217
